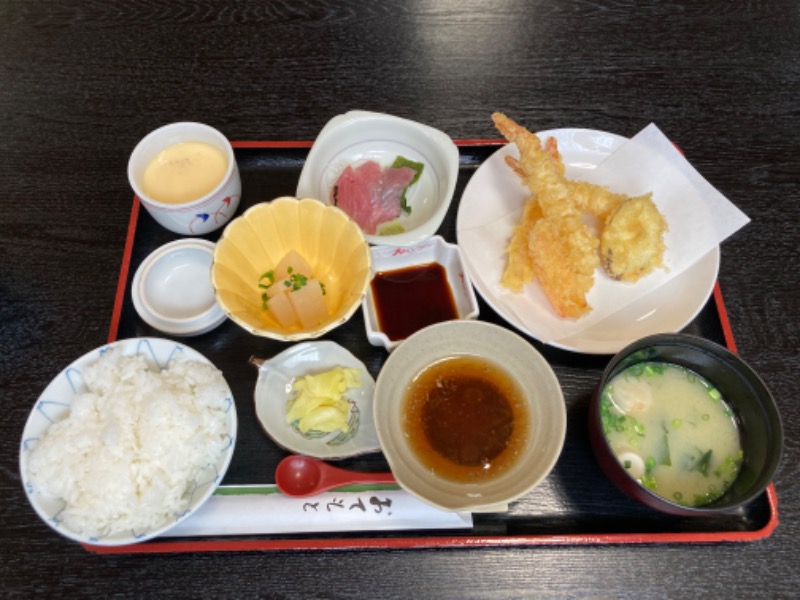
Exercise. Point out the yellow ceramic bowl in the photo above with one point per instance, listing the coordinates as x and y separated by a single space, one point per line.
252 244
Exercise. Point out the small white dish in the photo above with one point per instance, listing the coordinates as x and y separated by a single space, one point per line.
435 249
357 136
172 289
273 388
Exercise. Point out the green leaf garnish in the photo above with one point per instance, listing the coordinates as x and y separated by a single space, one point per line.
402 161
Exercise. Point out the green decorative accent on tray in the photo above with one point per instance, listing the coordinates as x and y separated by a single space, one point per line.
372 487
238 490
243 490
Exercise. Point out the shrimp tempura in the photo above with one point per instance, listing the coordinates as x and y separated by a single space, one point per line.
552 241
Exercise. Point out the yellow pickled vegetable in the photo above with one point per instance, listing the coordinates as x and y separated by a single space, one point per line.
318 402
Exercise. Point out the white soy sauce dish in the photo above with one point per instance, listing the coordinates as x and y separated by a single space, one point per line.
386 259
172 289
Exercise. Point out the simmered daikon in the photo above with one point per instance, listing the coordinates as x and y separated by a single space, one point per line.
292 295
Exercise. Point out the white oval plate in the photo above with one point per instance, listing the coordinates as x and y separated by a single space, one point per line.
275 379
494 190
54 404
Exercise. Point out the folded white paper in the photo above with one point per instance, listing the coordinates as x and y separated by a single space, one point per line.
262 509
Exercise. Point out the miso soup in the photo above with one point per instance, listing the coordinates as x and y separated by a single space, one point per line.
673 432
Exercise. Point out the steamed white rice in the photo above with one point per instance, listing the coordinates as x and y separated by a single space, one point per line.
128 455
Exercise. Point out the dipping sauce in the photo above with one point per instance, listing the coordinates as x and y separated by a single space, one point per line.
184 172
466 418
672 431
408 299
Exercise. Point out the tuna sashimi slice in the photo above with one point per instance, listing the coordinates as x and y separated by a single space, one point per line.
371 195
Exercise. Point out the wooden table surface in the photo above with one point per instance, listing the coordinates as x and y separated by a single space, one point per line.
82 82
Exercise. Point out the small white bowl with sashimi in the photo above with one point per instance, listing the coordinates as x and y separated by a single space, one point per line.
394 177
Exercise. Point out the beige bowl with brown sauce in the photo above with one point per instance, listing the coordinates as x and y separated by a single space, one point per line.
493 439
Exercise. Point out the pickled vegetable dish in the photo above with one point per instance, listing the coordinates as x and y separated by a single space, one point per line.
318 404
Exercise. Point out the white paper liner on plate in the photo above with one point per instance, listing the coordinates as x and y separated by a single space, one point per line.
251 510
699 218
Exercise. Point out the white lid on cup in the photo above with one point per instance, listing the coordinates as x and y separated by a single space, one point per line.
172 289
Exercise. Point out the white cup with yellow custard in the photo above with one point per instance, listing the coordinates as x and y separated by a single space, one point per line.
186 176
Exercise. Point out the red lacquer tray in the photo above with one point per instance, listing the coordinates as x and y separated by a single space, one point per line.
576 504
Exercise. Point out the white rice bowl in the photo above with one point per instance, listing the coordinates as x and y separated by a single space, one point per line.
128 441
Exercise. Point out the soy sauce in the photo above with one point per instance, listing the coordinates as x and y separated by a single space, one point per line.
408 299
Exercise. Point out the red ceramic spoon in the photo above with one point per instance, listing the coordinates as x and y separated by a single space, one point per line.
304 476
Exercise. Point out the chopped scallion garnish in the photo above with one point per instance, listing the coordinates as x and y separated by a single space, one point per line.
649 464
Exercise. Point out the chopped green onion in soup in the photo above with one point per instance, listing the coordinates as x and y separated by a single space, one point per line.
672 430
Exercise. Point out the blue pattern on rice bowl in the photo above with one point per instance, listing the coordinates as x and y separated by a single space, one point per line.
137 447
